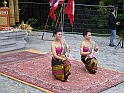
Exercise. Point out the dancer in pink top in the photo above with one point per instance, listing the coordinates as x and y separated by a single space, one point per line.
60 63
87 49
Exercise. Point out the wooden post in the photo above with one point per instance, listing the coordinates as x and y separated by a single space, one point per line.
12 16
16 11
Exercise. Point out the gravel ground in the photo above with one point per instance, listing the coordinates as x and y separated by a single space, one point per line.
108 57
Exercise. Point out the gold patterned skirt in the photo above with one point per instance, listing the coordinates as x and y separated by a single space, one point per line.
90 64
61 69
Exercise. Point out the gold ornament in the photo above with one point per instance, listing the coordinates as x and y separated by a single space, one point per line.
4 3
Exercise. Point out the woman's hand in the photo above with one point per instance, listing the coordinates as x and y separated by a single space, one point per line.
96 47
68 49
63 59
91 51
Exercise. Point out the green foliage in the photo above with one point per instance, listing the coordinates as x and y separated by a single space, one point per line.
120 15
112 2
121 27
102 17
92 2
32 22
22 22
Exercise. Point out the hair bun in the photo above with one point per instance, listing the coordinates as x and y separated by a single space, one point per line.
56 30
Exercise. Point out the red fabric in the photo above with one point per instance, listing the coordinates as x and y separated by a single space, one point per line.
38 71
69 10
61 1
52 14
54 6
17 57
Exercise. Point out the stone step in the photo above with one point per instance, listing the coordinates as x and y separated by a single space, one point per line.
7 44
3 38
14 33
10 41
16 36
11 49
6 40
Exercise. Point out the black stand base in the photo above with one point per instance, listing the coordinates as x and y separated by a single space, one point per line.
120 43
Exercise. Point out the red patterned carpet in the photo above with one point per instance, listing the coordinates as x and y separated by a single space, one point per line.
35 69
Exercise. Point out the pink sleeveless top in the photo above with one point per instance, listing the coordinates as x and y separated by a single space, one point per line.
85 49
58 50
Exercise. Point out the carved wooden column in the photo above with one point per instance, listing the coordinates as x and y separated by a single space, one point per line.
16 11
12 15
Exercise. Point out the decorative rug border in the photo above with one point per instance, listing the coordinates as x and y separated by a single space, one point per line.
32 85
43 89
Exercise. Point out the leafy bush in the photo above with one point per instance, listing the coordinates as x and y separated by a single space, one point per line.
31 22
120 30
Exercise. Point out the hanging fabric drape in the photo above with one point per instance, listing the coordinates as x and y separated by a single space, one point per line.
69 10
16 12
53 6
12 15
